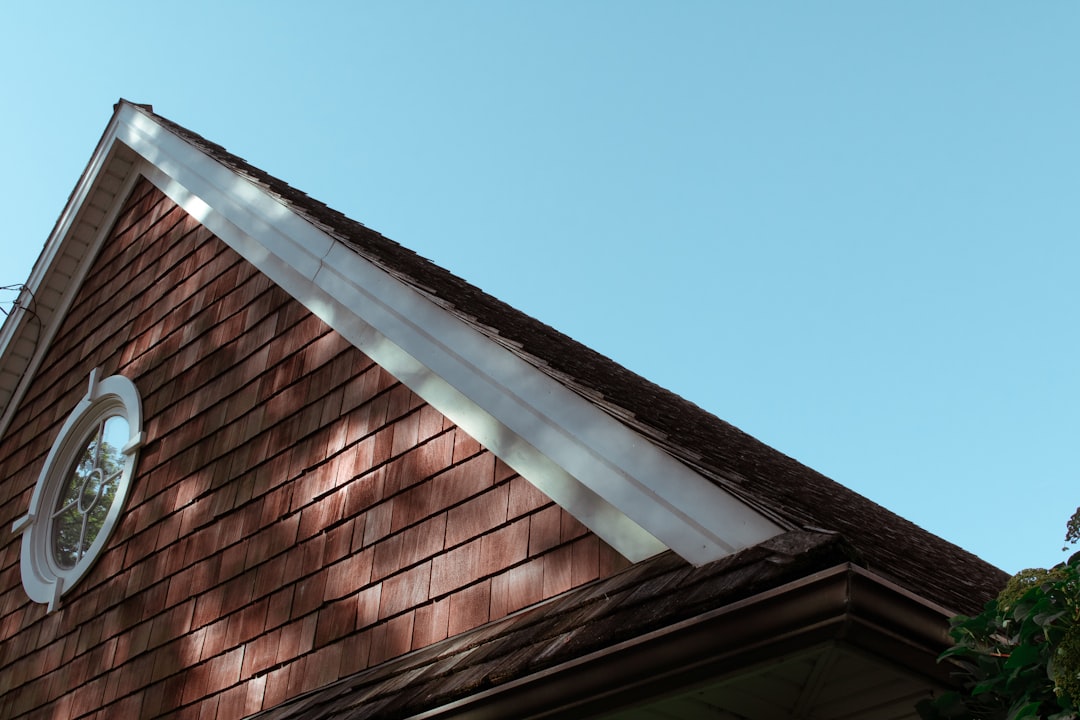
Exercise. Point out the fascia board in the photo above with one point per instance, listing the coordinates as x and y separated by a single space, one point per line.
685 511
620 485
270 227
291 251
593 465
604 519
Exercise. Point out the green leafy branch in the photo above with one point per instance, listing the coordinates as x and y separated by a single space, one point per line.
1020 657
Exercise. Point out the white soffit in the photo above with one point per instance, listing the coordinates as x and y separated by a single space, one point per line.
87 217
624 488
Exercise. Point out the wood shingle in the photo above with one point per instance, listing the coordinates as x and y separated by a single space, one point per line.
291 495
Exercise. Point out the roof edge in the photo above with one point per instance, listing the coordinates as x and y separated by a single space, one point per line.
616 481
87 217
843 603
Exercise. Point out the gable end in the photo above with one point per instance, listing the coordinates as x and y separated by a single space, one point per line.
619 484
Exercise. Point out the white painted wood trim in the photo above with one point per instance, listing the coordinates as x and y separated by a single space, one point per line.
69 224
44 580
620 485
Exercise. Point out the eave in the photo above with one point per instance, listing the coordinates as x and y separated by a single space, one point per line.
648 639
617 482
844 605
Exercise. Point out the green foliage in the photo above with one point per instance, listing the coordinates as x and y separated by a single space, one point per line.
1072 530
1020 657
85 499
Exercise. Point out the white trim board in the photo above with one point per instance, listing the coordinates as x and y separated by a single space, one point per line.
615 481
74 242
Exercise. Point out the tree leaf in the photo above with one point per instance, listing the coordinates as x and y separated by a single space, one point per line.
1027 710
1022 655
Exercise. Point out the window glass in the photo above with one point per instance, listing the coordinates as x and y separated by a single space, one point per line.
88 492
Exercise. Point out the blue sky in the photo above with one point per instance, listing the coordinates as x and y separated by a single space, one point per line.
848 228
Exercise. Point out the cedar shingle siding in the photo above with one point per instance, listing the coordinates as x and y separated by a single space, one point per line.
296 515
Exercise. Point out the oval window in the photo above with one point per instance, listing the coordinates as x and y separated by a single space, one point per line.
81 489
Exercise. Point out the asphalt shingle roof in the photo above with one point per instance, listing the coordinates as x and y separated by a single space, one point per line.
653 594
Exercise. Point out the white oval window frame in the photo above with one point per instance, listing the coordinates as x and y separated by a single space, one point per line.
42 577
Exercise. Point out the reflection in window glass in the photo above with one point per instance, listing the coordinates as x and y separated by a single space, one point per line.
88 493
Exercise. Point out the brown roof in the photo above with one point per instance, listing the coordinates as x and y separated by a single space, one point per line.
789 492
652 595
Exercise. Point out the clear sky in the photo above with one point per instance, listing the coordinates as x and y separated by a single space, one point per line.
849 228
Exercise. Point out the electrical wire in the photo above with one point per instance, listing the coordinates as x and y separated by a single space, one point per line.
30 308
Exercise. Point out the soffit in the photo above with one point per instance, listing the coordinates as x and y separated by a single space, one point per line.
88 215
832 681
